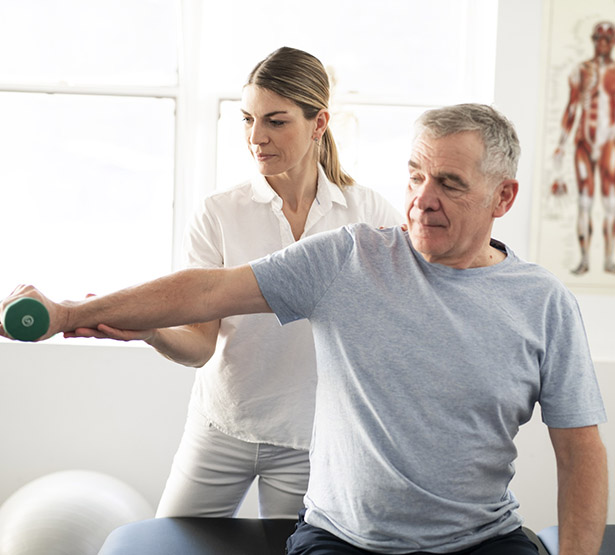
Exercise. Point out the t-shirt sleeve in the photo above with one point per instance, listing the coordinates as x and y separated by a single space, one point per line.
570 395
295 279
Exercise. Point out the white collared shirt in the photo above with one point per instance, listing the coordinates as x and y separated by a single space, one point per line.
259 386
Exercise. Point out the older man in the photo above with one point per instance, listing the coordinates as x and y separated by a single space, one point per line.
434 343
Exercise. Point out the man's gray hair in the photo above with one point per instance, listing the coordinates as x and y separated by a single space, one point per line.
498 134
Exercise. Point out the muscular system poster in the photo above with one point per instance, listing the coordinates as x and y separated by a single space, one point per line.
575 217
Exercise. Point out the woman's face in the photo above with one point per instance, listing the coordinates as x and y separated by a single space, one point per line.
280 139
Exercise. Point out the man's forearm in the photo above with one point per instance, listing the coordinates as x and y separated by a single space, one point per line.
582 508
582 498
179 298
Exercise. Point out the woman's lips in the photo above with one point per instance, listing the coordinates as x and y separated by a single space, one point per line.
261 157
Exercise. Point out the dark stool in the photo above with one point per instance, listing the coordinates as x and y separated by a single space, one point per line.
549 538
210 536
200 536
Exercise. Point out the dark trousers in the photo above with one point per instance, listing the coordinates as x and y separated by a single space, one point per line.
309 540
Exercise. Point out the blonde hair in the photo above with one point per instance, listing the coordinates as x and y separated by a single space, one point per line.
301 78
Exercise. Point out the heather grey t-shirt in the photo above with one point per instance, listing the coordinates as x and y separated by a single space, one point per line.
425 374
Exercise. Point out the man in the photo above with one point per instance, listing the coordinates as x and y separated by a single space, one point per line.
592 88
434 343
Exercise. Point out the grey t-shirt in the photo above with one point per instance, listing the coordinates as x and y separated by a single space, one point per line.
425 374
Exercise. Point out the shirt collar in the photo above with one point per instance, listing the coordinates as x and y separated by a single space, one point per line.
326 194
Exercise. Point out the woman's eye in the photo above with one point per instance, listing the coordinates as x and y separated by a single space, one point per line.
276 123
247 120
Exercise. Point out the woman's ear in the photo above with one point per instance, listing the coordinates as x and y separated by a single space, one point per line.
322 122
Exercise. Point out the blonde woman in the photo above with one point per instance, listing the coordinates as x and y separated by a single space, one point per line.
252 404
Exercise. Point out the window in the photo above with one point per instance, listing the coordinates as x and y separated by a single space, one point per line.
118 116
389 61
88 111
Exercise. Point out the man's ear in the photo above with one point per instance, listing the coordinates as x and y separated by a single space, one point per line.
506 193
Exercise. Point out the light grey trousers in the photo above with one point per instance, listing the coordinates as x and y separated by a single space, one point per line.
212 472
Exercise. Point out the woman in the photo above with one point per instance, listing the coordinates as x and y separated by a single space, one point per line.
252 406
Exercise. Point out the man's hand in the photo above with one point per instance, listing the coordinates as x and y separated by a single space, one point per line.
58 313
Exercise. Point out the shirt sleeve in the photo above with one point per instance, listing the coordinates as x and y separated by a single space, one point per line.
294 280
203 239
570 396
383 213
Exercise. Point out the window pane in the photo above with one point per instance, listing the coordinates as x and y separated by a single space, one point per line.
86 196
412 51
120 42
233 160
374 143
389 60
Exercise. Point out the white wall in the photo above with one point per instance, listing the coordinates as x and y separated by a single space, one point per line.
120 410
518 95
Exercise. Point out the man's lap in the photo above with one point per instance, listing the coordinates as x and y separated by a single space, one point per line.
310 540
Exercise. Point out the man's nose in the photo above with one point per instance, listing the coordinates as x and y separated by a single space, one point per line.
427 195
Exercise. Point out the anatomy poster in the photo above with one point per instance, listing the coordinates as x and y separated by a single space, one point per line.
575 221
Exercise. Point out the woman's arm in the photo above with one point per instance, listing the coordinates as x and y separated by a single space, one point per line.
191 345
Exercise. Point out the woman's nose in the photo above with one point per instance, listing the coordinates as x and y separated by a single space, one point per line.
257 134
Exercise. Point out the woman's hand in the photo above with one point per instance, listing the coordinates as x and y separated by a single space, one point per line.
103 331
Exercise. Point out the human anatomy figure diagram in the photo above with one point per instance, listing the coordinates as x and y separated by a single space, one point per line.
592 92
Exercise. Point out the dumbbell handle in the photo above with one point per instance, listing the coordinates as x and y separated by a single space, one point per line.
26 319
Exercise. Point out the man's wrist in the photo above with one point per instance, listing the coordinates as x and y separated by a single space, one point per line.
66 316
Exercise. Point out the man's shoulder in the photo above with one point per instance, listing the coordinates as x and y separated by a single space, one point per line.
363 232
370 230
348 238
539 282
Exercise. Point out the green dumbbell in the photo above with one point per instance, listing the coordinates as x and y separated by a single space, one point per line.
26 319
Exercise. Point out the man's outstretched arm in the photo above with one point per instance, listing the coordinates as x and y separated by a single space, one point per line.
185 297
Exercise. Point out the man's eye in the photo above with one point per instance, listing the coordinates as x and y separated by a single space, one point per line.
247 120
449 184
451 188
